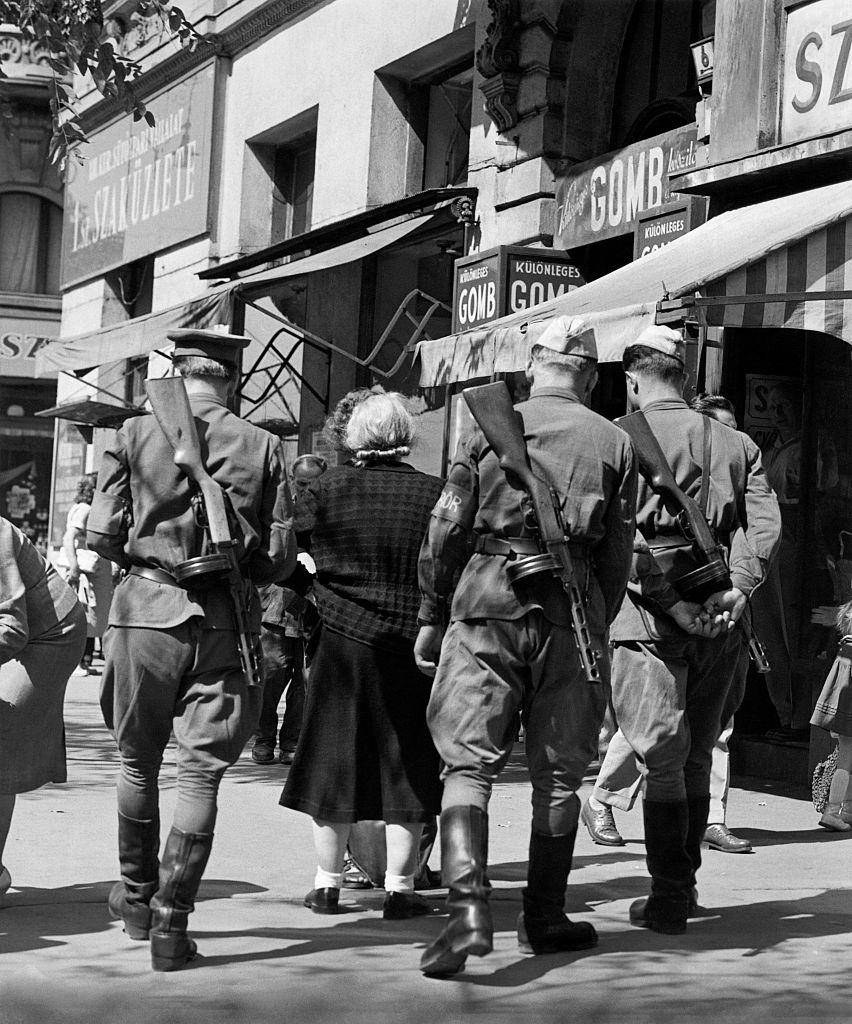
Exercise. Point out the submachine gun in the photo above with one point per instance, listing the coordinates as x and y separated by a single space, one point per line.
712 573
219 565
491 407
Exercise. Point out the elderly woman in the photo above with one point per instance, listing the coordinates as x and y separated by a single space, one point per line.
42 633
365 752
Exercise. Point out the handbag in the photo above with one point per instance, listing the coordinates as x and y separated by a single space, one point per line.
821 783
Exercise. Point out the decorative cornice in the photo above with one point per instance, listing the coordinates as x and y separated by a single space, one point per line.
265 19
21 56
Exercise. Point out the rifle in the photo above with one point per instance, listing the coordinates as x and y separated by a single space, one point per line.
712 575
171 408
491 406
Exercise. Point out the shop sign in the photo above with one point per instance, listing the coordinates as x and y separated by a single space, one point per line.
604 197
508 279
141 188
757 421
20 340
816 96
660 227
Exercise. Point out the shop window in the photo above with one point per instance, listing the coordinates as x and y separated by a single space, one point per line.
30 239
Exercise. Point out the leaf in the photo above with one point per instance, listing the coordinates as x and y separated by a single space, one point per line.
149 119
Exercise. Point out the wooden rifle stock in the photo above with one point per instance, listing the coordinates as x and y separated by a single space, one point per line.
491 407
170 406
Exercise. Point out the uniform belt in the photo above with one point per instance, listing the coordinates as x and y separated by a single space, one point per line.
148 572
514 547
509 547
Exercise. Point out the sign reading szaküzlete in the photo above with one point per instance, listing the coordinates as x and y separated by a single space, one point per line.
141 188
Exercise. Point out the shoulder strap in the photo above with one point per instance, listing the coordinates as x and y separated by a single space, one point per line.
704 496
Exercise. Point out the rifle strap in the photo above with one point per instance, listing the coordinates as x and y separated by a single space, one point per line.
706 455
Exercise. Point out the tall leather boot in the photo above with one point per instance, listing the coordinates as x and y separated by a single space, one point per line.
543 927
464 851
699 811
138 845
670 867
184 859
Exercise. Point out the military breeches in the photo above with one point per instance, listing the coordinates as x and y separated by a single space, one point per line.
669 697
185 679
489 671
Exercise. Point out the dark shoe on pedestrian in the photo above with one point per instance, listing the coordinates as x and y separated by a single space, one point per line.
601 825
286 756
667 916
184 859
323 901
400 906
263 753
719 837
560 935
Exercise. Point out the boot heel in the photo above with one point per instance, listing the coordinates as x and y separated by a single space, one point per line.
170 952
476 943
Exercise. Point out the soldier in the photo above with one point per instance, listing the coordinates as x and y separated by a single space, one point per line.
509 650
172 656
673 660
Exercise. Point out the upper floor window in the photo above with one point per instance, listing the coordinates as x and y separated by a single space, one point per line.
447 129
30 239
293 188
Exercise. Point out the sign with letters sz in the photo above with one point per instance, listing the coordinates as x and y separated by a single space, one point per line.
508 279
141 188
817 86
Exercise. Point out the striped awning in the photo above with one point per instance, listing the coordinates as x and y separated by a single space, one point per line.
786 262
806 285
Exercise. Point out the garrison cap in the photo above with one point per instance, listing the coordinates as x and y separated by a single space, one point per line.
665 340
215 344
570 336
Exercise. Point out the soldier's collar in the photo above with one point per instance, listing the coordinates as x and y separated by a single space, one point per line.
667 403
568 393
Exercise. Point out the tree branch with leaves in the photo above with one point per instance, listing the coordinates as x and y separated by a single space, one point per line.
73 34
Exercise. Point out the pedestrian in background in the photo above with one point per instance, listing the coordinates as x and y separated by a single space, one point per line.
42 636
365 752
85 571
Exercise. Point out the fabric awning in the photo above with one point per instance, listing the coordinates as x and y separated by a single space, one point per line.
143 334
783 263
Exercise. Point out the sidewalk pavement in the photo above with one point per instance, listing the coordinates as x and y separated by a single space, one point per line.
775 943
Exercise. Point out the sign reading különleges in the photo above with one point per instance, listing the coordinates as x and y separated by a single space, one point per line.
141 188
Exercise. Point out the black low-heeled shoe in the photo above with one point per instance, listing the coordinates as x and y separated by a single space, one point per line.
323 901
399 906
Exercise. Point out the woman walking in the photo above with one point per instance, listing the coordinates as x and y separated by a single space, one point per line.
365 752
42 635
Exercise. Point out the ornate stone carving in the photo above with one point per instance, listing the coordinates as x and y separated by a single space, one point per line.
16 50
498 62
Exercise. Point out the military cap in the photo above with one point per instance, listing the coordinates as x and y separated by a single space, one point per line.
570 336
215 344
665 340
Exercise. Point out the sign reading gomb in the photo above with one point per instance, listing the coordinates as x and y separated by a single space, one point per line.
143 188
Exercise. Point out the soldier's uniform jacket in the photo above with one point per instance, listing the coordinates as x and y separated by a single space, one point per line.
142 515
589 462
741 509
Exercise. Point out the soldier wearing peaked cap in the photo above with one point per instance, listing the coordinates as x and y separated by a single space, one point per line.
510 648
172 659
673 659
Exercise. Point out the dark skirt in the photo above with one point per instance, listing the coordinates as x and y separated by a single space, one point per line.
365 752
833 709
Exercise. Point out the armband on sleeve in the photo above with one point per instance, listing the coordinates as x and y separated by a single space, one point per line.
455 505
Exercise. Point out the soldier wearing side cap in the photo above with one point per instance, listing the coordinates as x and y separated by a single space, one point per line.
674 660
511 649
172 657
